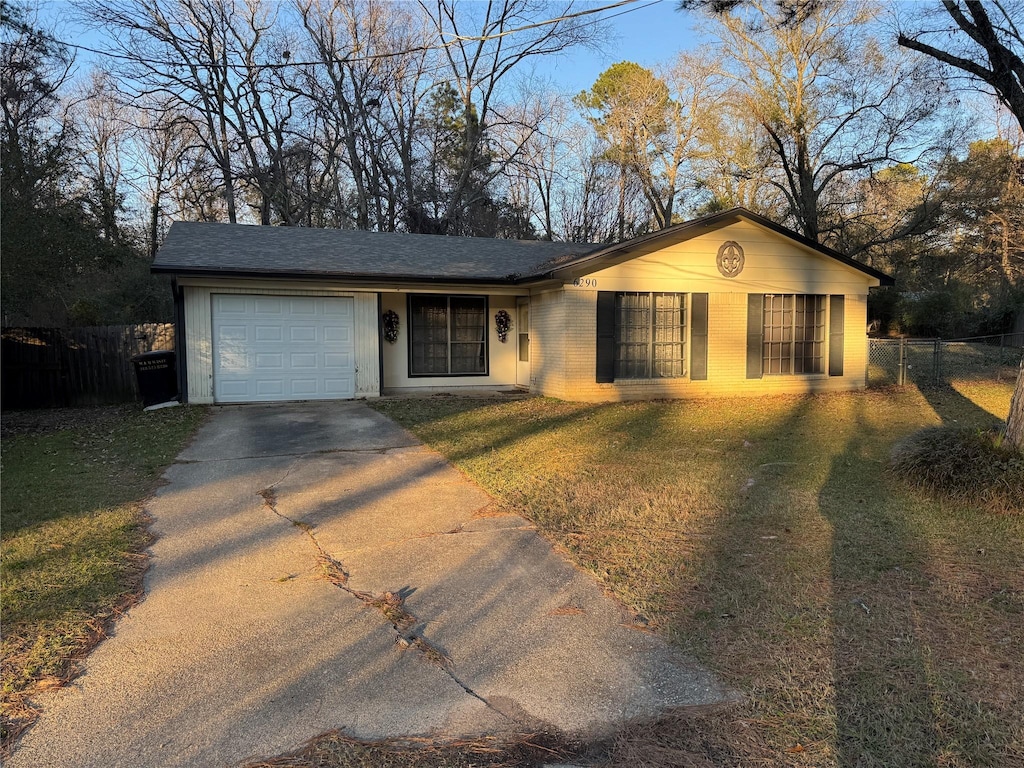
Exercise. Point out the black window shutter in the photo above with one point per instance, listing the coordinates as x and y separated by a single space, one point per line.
755 334
699 337
605 337
836 336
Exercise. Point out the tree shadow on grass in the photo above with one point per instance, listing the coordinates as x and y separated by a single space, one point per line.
751 602
806 597
884 698
804 587
904 693
957 410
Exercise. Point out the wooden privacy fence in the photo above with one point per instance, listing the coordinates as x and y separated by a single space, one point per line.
55 367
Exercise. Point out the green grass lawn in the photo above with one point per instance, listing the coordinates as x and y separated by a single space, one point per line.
865 623
73 535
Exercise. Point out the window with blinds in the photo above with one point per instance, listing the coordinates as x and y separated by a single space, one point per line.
447 335
650 335
793 339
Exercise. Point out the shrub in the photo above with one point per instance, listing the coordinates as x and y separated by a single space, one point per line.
945 313
964 465
884 310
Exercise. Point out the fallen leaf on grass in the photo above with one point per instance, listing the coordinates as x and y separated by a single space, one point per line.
798 747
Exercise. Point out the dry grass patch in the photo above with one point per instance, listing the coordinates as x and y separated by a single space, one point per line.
868 624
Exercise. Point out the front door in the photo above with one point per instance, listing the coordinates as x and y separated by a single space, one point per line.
523 342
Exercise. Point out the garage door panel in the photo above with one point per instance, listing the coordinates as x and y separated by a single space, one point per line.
268 307
232 360
339 333
269 387
235 389
302 307
302 360
232 305
278 348
269 360
268 333
337 387
304 387
338 310
336 360
233 333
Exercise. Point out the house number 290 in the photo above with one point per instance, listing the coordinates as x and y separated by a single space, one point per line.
585 282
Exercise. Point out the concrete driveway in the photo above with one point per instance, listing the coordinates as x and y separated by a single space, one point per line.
317 568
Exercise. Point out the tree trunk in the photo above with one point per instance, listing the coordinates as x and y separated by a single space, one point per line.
154 228
1015 421
622 203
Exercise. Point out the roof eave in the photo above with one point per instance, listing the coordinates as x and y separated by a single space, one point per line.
339 276
708 223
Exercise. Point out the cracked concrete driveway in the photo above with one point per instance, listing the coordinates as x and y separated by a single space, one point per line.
316 568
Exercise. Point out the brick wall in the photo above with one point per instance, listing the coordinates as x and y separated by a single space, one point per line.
564 346
547 343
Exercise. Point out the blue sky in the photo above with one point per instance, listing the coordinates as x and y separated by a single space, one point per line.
647 32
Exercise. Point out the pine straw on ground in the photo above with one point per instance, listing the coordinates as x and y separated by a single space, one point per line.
694 737
513 751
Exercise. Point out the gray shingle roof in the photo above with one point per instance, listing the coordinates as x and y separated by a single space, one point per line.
248 250
243 249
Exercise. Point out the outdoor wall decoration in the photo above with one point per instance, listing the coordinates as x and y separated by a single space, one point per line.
502 324
730 258
391 322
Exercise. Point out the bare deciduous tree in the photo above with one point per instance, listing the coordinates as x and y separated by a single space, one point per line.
986 42
483 45
103 137
829 102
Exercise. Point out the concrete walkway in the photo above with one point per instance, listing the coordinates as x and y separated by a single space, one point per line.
317 568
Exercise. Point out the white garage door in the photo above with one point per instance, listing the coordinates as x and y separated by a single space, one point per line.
282 348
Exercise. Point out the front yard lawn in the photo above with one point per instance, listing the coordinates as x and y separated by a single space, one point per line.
74 533
865 623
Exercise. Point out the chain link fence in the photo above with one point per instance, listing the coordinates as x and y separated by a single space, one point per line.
938 362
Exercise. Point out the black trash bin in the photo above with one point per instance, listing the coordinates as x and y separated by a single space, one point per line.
157 377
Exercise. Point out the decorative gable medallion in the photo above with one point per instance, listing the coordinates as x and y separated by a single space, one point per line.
730 258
